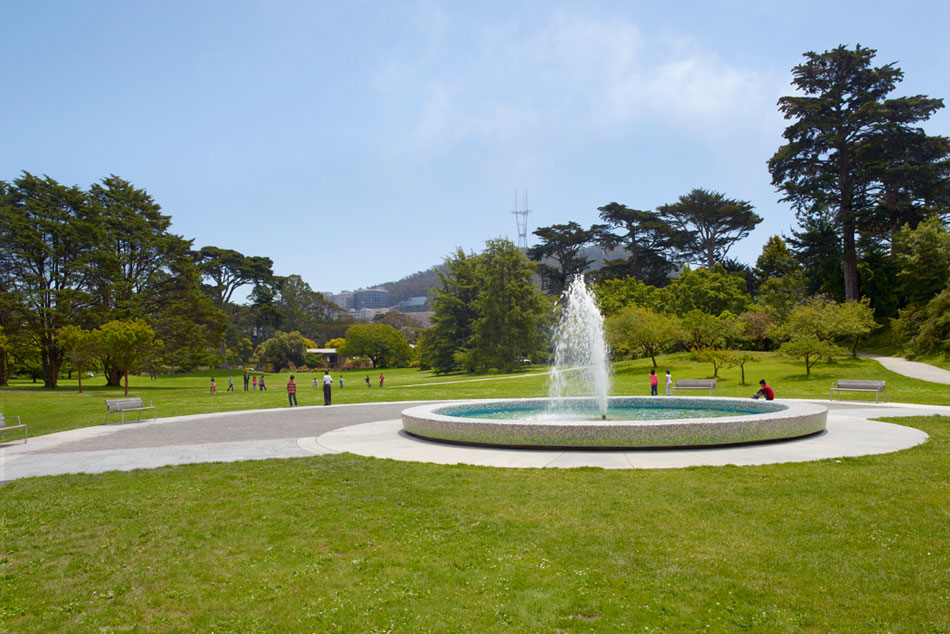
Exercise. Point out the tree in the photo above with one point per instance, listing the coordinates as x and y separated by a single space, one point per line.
283 350
702 330
640 330
510 310
300 307
230 270
713 221
48 261
846 146
4 356
652 242
854 320
740 358
719 357
454 310
827 321
124 344
818 248
561 243
926 330
409 326
613 295
810 348
79 346
923 260
711 291
384 345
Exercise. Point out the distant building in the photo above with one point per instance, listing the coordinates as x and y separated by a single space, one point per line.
346 300
413 304
371 298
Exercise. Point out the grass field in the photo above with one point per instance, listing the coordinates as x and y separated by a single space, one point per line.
48 411
350 544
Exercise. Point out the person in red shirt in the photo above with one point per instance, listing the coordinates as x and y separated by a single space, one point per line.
292 391
765 391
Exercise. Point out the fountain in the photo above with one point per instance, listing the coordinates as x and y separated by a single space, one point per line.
578 413
581 358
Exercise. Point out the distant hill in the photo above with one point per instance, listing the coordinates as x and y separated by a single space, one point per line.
417 284
414 285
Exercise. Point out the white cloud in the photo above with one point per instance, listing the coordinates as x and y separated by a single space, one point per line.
575 76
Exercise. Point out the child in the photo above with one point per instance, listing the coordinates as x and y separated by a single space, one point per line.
669 383
368 384
254 387
212 385
654 381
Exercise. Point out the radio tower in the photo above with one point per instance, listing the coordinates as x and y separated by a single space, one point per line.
521 218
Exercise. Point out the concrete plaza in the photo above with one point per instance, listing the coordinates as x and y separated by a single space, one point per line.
375 430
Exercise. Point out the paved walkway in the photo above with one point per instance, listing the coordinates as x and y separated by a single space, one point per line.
375 430
913 369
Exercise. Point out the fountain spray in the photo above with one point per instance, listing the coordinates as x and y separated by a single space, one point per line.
581 357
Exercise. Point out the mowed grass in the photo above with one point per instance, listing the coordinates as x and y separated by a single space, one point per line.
349 544
47 411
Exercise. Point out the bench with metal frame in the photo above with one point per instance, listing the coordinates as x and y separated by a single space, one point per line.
4 427
858 385
695 384
123 405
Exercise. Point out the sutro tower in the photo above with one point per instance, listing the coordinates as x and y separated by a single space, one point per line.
521 218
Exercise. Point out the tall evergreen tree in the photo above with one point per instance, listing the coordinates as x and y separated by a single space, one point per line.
653 244
510 310
561 243
714 222
852 153
50 254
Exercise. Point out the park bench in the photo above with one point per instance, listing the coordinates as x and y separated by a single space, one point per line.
855 385
695 384
4 427
123 405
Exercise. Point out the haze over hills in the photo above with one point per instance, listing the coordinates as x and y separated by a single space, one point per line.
418 284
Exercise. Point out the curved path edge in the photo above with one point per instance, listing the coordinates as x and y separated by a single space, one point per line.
375 430
911 369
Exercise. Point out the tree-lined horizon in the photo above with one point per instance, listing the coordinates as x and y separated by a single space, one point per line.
869 187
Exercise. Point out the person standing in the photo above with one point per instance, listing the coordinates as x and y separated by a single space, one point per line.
261 383
292 391
230 384
254 384
315 381
341 381
247 379
381 379
654 381
669 383
212 385
327 386
368 383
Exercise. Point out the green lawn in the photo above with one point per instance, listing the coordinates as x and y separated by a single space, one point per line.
350 544
48 411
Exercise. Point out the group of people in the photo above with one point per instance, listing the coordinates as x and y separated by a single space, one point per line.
764 391
370 383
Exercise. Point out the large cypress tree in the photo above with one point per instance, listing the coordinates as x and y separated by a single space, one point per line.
853 154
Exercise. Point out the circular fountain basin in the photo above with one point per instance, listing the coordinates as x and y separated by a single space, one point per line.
633 422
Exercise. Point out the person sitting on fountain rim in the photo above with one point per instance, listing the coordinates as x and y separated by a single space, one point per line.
765 391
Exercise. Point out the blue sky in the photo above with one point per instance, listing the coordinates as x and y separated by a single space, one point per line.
358 142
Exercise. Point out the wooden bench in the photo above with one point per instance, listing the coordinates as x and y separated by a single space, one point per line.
856 385
4 427
123 405
695 384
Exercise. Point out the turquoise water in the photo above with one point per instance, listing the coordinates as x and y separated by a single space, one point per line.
593 413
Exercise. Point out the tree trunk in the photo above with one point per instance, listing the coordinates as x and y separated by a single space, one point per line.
113 376
126 382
